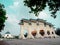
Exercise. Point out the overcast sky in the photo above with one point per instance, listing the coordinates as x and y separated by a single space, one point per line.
16 11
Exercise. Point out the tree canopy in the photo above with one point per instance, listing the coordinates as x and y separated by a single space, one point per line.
38 5
2 16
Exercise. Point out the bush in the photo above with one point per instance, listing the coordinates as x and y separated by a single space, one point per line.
17 37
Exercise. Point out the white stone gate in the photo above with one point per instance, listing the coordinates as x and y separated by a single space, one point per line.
36 28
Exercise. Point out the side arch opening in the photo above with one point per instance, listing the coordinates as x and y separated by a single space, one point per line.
25 33
48 32
42 32
34 32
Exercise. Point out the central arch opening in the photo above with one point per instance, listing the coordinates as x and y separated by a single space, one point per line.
48 32
34 32
42 32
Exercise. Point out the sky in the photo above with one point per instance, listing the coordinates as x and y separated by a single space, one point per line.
15 11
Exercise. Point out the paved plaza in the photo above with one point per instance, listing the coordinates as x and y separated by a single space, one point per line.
45 41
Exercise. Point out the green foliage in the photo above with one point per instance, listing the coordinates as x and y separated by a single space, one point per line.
0 35
58 31
2 16
17 37
38 5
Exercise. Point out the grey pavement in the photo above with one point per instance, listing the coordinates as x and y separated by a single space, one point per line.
45 41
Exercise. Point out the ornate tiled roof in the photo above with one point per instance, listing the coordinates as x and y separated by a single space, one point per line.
49 24
41 20
34 21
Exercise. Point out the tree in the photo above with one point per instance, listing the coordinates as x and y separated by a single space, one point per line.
17 37
0 35
58 31
2 16
38 5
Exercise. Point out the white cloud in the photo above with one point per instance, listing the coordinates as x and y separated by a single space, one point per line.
43 15
11 24
12 19
15 5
